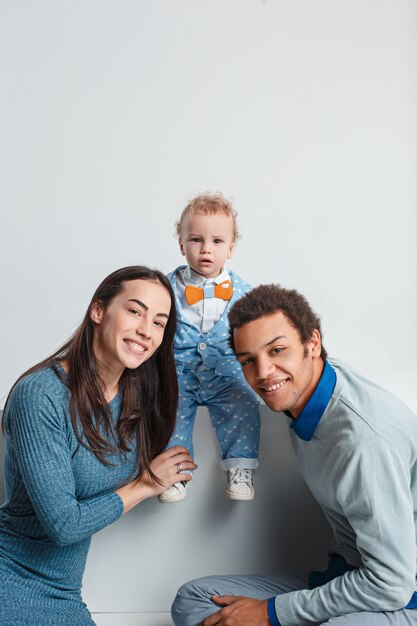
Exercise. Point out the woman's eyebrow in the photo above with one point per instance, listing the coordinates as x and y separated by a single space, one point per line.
143 305
139 302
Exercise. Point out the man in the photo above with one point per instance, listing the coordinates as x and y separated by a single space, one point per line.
356 445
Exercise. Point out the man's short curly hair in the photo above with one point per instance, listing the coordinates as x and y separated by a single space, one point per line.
266 300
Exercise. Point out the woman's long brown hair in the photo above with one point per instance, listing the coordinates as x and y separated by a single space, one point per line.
149 393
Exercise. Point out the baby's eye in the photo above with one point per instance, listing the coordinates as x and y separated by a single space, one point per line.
218 241
196 239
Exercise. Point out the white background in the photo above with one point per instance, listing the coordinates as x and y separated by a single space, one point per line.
113 114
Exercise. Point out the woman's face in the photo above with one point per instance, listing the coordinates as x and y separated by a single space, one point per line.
131 328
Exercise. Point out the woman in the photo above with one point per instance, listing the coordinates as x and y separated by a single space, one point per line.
85 433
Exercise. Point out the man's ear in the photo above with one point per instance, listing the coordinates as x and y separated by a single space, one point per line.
96 313
314 343
181 247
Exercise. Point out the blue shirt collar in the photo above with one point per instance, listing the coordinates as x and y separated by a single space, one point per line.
306 423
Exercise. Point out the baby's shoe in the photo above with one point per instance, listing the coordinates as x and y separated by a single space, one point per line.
240 484
176 492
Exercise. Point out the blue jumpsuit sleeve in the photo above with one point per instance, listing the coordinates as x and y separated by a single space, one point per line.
241 285
38 437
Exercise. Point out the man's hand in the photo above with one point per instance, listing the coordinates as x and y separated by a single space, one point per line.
238 611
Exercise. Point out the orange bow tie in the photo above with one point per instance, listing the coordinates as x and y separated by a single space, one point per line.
223 291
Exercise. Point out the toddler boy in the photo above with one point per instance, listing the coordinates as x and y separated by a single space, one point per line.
208 372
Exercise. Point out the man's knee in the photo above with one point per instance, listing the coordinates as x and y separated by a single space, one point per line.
193 599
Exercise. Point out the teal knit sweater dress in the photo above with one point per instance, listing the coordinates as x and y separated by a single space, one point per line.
55 501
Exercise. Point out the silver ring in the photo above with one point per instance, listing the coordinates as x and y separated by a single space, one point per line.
179 468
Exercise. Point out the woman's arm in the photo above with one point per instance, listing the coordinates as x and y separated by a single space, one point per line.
37 433
165 467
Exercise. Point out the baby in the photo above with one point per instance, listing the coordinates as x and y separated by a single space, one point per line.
208 373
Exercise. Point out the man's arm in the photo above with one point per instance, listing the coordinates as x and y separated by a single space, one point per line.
374 494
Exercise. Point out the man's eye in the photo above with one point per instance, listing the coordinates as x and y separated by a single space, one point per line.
277 350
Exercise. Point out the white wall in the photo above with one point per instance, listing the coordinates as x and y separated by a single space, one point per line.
113 114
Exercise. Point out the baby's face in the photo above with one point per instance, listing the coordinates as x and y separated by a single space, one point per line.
206 242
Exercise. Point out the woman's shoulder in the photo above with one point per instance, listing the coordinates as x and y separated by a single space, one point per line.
38 386
39 401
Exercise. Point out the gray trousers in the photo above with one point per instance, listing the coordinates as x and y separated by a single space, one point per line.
193 604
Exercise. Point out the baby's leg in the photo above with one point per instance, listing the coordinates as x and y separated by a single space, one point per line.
235 417
186 412
182 436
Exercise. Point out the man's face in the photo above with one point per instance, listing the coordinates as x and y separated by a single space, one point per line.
282 370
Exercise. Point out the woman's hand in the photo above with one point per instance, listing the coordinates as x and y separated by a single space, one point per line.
165 466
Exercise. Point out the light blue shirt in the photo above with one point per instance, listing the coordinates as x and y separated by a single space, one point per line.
356 445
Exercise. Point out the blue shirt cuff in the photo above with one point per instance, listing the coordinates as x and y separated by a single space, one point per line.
271 612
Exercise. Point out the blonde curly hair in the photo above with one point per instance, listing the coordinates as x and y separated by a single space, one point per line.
208 204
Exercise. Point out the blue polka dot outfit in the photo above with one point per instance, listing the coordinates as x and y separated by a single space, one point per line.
209 375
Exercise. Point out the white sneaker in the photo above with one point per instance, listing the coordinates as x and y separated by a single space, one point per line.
176 492
240 484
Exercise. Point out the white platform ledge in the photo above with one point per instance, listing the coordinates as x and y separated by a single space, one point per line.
132 619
